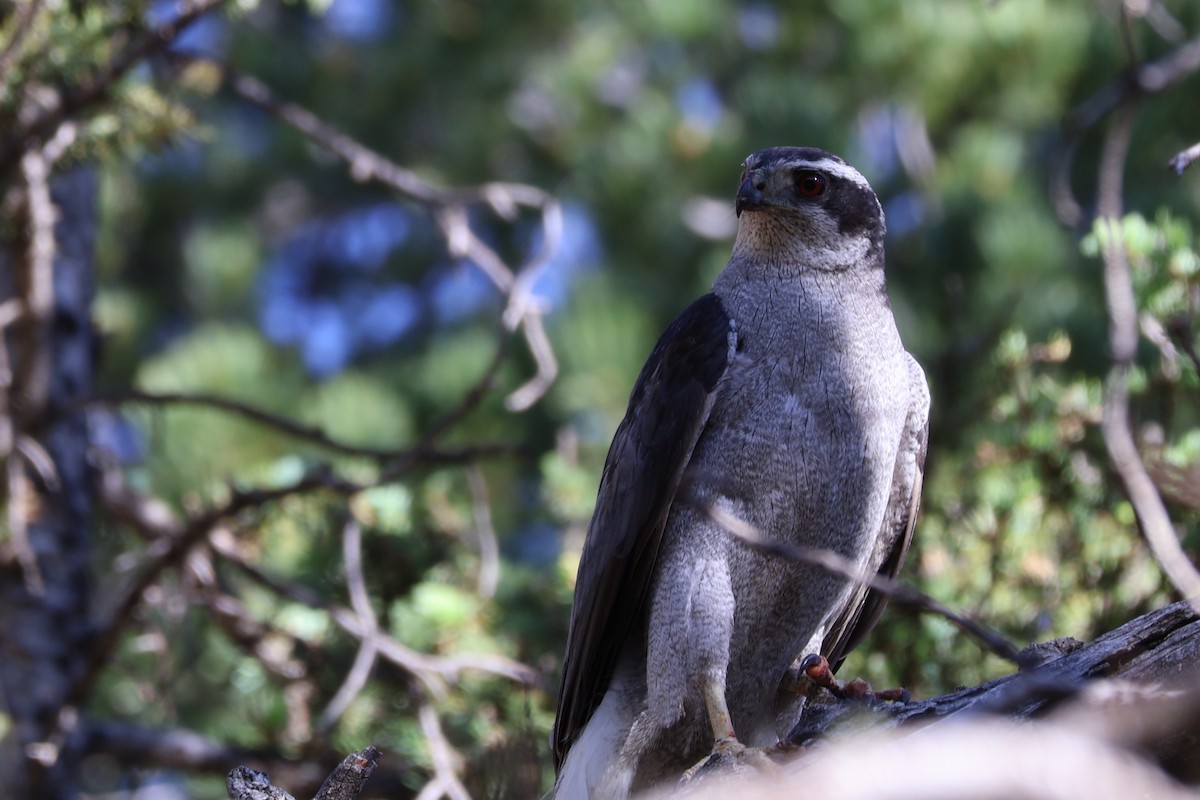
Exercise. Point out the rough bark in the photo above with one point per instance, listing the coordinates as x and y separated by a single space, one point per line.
1162 647
344 783
45 589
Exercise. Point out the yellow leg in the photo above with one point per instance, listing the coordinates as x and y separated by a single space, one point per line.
725 741
724 738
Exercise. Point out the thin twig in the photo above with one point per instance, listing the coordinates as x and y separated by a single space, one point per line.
20 28
1149 78
170 551
155 519
450 208
840 565
422 453
434 671
368 651
297 430
37 284
1184 159
447 762
239 625
1123 340
485 533
525 395
468 403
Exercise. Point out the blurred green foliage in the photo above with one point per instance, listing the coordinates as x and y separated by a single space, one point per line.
639 114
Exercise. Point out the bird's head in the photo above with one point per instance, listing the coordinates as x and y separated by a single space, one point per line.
806 207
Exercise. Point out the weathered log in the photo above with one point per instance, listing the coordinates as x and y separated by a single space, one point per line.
344 783
1161 647
1116 718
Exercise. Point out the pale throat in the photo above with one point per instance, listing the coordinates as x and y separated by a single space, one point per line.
786 247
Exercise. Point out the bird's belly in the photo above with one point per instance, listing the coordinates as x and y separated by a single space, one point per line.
811 466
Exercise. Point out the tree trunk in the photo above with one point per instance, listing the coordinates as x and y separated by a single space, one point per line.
45 583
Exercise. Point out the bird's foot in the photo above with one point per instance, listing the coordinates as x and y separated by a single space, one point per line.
816 668
728 754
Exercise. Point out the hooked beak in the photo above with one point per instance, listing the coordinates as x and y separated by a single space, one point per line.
750 194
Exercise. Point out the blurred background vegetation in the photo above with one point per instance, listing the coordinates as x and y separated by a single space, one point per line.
236 258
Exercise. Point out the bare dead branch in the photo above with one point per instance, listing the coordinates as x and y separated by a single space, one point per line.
1184 159
1123 340
170 551
21 23
244 783
1149 78
36 284
837 564
239 625
485 533
434 671
422 454
469 402
447 762
524 396
155 519
364 659
450 208
347 781
308 433
95 87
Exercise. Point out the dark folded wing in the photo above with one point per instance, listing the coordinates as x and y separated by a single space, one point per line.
668 408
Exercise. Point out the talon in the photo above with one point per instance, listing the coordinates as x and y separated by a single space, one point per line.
817 668
728 746
732 752
897 695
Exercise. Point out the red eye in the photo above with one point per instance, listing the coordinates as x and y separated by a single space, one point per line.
810 184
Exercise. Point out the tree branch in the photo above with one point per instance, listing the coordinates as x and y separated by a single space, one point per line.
1123 340
1184 159
1139 81
422 452
839 565
450 211
20 28
95 88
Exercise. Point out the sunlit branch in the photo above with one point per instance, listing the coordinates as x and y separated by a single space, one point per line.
450 210
1123 340
364 659
1184 158
447 762
172 539
434 671
485 533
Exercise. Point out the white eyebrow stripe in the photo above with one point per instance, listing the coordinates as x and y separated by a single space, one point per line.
833 168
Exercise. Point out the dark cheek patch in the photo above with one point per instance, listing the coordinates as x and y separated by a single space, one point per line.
855 209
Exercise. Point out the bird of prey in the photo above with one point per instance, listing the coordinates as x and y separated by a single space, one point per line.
783 399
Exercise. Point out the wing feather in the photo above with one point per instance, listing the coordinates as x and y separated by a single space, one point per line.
668 409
